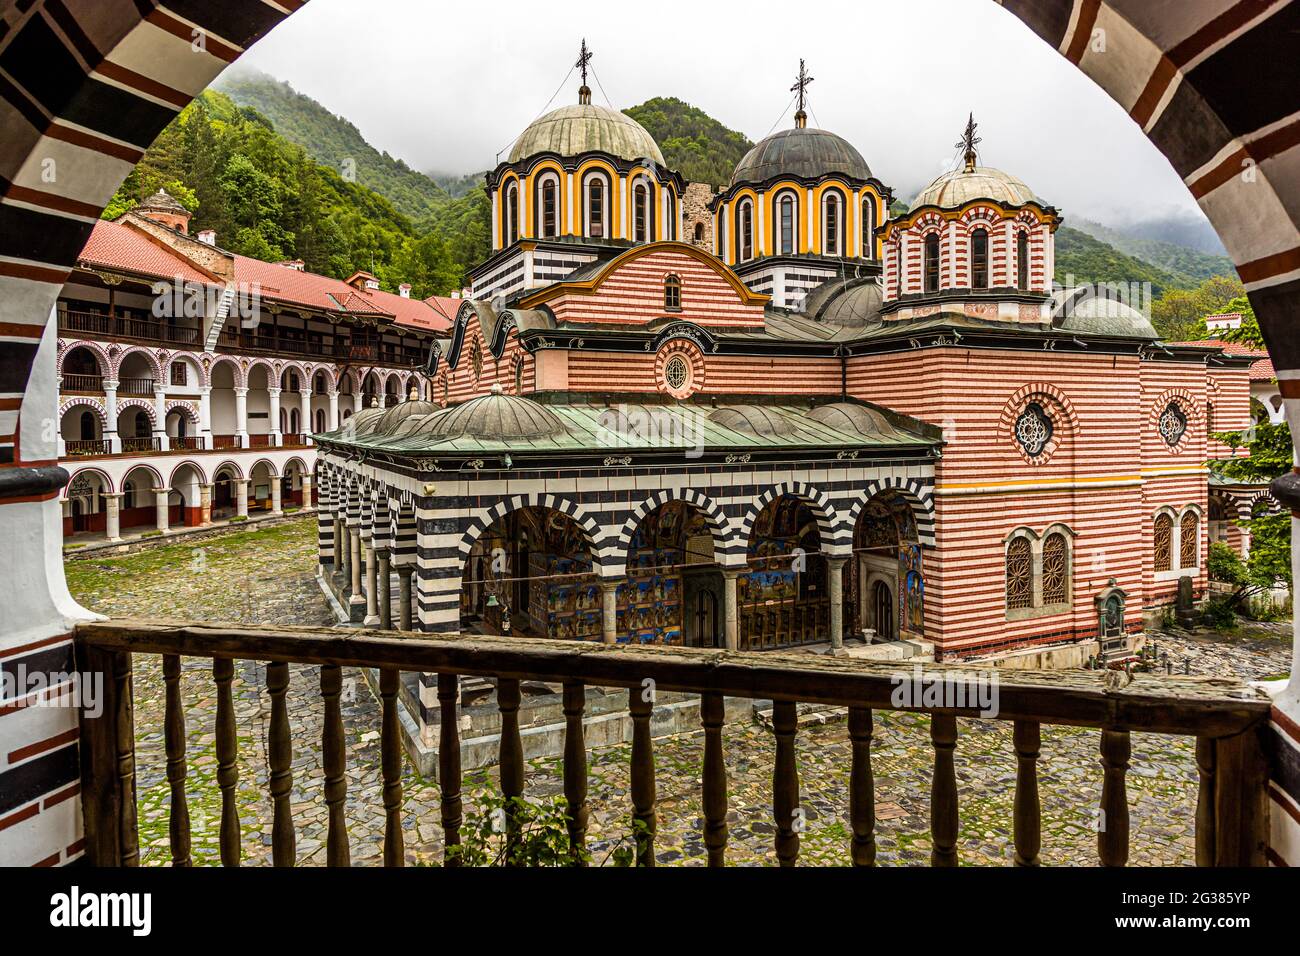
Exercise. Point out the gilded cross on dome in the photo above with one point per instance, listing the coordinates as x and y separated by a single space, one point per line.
801 87
968 142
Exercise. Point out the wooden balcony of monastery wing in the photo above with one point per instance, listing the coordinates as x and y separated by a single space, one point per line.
1227 718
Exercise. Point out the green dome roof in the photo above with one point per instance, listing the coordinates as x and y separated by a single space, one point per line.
587 128
393 417
495 417
958 187
803 153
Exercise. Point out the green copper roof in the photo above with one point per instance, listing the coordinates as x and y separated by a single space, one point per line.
587 128
591 425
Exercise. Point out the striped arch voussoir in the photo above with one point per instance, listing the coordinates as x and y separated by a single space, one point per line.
918 495
833 532
595 537
718 523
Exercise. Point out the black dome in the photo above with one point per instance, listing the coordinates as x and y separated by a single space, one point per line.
802 153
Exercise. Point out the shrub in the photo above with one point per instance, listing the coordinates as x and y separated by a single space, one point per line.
1219 615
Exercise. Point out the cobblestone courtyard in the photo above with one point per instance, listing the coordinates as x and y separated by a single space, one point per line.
266 577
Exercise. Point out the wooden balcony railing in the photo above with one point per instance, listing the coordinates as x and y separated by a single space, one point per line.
291 440
249 341
140 445
259 441
225 441
184 444
1226 717
82 383
87 447
136 386
130 327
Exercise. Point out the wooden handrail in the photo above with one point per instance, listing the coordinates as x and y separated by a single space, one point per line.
1227 717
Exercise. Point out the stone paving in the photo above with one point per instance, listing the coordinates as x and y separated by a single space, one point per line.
266 576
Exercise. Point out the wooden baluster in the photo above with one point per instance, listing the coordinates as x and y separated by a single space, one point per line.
785 782
943 791
174 733
643 774
125 726
334 758
1112 835
511 760
449 761
1241 803
575 765
1027 737
715 779
280 754
1205 816
223 672
862 789
390 745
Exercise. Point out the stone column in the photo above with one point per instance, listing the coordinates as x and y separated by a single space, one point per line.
110 417
160 415
731 609
205 505
205 416
277 505
273 418
241 416
332 422
356 599
305 425
113 517
340 546
404 602
161 496
306 491
835 585
241 497
609 610
372 586
385 591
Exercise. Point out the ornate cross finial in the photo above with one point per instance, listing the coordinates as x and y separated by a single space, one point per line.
968 142
801 87
584 60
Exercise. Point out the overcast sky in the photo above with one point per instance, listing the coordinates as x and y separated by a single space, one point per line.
447 85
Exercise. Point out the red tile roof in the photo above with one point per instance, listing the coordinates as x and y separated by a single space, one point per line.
1261 371
116 245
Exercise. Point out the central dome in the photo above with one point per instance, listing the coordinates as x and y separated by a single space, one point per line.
804 153
587 128
960 186
493 418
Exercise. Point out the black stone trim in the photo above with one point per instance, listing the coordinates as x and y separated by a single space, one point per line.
37 777
1285 772
26 482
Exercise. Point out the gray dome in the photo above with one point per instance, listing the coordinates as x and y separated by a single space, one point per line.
365 421
411 425
387 423
587 128
495 417
848 417
806 153
752 420
958 187
1098 315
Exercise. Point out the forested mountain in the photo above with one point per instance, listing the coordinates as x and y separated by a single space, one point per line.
1090 260
692 141
333 141
268 199
1190 265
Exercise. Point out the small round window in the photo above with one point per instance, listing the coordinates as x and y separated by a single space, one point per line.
677 374
1033 429
1173 424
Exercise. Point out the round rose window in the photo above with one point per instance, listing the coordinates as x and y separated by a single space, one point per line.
677 374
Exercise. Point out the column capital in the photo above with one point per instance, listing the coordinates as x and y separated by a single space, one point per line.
241 391
274 392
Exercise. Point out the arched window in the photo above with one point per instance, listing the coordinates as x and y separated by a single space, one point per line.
868 228
550 208
898 265
641 213
512 213
1164 543
699 232
831 218
1022 260
786 225
128 495
1209 419
745 231
932 262
87 426
596 193
979 254
1020 575
671 224
1056 569
673 294
320 421
1189 541
519 375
